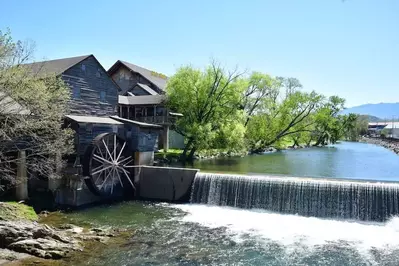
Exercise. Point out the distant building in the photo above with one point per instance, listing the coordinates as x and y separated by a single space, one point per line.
391 129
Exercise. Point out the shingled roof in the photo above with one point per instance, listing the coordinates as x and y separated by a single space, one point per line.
146 73
55 67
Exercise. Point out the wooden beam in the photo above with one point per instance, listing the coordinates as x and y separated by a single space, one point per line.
21 192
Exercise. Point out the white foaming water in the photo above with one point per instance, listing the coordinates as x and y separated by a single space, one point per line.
291 230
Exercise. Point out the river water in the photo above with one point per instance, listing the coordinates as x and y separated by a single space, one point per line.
345 160
199 234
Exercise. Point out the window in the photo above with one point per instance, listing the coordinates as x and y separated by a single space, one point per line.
98 73
150 111
139 111
83 67
160 111
76 93
102 96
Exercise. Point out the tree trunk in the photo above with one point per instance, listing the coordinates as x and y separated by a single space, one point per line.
296 144
319 141
308 142
192 152
183 156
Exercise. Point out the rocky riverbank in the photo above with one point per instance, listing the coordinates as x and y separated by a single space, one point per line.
392 145
22 238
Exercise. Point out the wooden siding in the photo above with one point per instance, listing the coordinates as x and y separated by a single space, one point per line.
141 139
127 80
89 83
87 132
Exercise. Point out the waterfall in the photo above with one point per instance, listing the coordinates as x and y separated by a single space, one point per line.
341 199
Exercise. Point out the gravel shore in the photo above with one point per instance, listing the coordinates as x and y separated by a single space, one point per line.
393 145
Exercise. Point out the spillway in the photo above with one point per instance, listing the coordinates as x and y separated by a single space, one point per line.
340 199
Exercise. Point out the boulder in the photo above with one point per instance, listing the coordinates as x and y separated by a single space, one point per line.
36 239
43 248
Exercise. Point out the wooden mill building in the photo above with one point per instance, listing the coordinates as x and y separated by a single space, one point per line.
126 90
142 98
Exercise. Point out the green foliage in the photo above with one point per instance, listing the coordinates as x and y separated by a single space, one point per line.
292 116
210 101
328 123
355 126
171 154
384 133
31 114
231 111
230 136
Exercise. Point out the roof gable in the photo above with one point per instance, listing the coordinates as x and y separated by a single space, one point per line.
157 79
59 66
55 67
147 89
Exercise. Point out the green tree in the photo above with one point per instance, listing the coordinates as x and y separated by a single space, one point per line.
259 87
282 119
210 101
31 114
291 85
355 126
328 122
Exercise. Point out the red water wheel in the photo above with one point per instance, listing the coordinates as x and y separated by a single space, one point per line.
108 165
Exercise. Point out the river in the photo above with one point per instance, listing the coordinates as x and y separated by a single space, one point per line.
351 160
198 234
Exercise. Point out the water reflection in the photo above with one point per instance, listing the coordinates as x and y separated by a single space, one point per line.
344 160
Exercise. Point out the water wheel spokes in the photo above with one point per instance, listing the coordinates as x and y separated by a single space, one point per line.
108 165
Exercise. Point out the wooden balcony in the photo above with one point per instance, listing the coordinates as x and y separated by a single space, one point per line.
159 120
158 115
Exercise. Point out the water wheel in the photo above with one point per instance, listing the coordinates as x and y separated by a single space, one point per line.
108 165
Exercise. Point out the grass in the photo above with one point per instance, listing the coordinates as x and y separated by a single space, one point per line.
170 154
17 211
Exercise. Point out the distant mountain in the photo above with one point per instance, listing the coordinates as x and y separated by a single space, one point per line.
371 118
380 110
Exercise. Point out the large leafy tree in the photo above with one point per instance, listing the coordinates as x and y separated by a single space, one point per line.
290 117
259 87
329 127
31 114
354 126
210 102
228 110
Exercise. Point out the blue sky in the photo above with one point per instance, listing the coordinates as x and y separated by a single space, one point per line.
349 48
